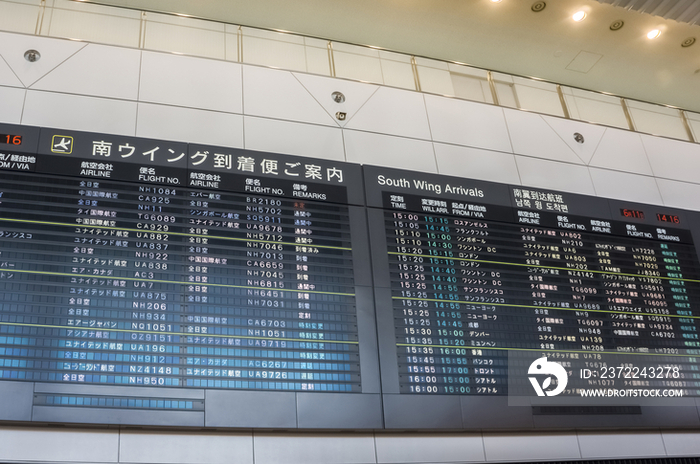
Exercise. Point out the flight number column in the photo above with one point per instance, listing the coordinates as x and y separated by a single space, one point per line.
565 289
126 283
158 267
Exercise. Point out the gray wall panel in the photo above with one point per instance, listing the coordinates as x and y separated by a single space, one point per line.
619 445
360 246
387 341
189 448
422 412
530 447
59 445
339 411
409 448
681 443
480 412
367 335
250 409
314 449
377 241
16 400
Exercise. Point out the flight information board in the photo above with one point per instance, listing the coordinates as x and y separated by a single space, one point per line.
483 279
143 263
149 282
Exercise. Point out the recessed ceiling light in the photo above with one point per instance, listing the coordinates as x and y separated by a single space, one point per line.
496 1
653 34
579 16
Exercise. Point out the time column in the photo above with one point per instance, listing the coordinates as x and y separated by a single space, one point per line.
412 313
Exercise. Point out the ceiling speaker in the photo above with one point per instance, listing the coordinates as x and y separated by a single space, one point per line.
617 25
538 6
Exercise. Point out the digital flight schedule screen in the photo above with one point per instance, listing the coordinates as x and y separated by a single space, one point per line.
483 289
130 262
160 283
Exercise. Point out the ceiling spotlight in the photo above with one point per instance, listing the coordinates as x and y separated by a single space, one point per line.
653 34
496 1
579 16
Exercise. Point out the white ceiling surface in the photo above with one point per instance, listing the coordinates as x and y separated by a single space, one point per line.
506 36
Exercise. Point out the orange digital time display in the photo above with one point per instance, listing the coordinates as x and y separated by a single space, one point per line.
672 218
10 139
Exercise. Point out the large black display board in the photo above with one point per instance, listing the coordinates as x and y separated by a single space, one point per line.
149 282
474 281
145 281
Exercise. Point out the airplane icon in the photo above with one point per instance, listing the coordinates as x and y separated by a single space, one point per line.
62 144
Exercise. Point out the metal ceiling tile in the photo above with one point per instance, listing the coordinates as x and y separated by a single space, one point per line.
684 11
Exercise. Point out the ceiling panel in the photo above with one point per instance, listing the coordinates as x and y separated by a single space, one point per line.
685 11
